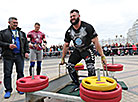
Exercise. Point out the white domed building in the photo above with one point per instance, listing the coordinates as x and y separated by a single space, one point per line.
132 34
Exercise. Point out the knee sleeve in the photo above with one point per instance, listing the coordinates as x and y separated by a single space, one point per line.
72 73
91 69
39 64
32 64
70 67
38 67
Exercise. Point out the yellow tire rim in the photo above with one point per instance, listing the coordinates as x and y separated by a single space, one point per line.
105 84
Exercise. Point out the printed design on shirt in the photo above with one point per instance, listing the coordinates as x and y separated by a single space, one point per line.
37 38
14 36
94 33
78 41
34 36
16 41
78 37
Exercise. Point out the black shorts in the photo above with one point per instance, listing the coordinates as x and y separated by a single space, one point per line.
76 56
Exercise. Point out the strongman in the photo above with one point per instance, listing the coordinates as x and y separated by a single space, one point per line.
83 36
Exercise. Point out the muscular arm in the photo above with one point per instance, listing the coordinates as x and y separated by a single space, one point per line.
99 49
98 46
65 49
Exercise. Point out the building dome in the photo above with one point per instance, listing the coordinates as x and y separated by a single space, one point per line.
132 34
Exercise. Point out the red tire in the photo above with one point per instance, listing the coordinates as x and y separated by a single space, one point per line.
28 82
80 67
114 67
32 89
101 95
89 99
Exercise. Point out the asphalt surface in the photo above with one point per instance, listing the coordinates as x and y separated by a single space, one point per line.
129 75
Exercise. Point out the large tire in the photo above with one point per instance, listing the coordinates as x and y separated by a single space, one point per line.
27 82
89 99
114 67
101 95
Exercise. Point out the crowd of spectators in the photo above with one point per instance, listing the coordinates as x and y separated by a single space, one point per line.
54 50
109 50
120 49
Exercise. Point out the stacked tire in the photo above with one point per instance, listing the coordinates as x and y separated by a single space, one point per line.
27 84
89 95
79 66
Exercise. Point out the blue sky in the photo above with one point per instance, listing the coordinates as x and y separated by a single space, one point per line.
108 17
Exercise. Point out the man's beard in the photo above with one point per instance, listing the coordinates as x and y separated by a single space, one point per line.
76 21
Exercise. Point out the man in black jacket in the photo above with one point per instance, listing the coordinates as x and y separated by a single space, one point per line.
14 48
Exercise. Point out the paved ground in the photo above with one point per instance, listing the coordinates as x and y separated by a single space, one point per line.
50 67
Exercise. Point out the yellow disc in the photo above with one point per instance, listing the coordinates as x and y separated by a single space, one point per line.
79 64
105 84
